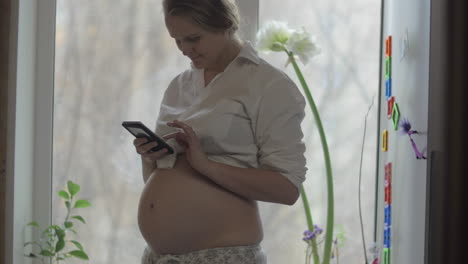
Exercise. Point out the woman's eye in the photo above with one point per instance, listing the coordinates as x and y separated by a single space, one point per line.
195 39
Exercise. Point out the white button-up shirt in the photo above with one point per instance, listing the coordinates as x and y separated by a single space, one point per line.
248 116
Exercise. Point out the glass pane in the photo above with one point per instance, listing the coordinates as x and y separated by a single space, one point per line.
343 80
114 60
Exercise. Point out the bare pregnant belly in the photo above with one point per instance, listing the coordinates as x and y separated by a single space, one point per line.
180 211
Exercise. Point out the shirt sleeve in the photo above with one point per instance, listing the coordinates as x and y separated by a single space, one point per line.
278 132
168 101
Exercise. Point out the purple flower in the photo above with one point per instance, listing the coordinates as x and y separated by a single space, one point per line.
405 126
310 235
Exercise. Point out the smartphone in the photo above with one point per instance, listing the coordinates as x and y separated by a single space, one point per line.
139 130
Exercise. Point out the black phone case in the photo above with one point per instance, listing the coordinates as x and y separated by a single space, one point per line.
139 130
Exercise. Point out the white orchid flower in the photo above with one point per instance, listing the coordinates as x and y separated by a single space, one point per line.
273 36
302 44
277 36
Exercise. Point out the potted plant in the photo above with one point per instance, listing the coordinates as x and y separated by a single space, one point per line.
55 244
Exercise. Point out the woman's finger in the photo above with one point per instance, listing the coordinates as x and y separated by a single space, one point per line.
182 140
179 136
155 155
147 147
187 129
139 141
171 135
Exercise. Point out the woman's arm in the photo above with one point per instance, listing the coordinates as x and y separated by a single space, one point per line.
251 183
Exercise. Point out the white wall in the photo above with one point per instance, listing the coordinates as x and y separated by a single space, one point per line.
409 25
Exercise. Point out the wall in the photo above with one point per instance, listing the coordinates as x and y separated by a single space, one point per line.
408 24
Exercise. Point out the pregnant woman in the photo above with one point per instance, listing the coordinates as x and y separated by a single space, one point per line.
234 122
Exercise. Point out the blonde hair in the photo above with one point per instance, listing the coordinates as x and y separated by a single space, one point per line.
212 15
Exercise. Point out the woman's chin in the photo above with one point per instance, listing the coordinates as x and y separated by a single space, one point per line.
197 64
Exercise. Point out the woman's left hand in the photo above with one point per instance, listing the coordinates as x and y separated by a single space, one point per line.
193 150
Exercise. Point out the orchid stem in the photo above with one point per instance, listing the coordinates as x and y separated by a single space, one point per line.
330 208
310 224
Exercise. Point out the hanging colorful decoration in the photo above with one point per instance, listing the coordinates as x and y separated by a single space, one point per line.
406 130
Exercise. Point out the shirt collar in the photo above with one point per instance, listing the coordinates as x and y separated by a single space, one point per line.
249 52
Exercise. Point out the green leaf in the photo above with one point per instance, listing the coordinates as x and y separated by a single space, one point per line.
64 194
67 204
33 223
73 188
60 232
48 231
77 244
68 224
81 204
79 254
46 253
60 245
77 217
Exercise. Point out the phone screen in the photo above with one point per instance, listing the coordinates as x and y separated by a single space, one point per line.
139 132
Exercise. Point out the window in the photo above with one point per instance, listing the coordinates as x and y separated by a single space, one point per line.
343 80
113 60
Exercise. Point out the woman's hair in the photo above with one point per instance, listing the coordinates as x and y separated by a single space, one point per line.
212 15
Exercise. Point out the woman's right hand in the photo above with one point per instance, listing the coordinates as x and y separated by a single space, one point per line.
143 148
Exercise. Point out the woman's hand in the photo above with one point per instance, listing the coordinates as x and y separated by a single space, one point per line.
193 151
143 148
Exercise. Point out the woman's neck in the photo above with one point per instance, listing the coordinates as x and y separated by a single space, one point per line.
233 49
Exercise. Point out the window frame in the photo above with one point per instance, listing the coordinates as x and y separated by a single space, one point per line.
30 116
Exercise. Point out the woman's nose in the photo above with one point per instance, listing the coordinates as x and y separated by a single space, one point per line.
186 48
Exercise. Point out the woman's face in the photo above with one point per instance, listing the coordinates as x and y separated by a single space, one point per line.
204 48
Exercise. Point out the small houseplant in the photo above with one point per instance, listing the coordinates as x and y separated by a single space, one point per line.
54 243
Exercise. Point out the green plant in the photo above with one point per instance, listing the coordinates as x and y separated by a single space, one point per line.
54 240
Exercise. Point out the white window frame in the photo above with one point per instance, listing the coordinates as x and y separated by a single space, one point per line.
29 150
249 11
30 121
